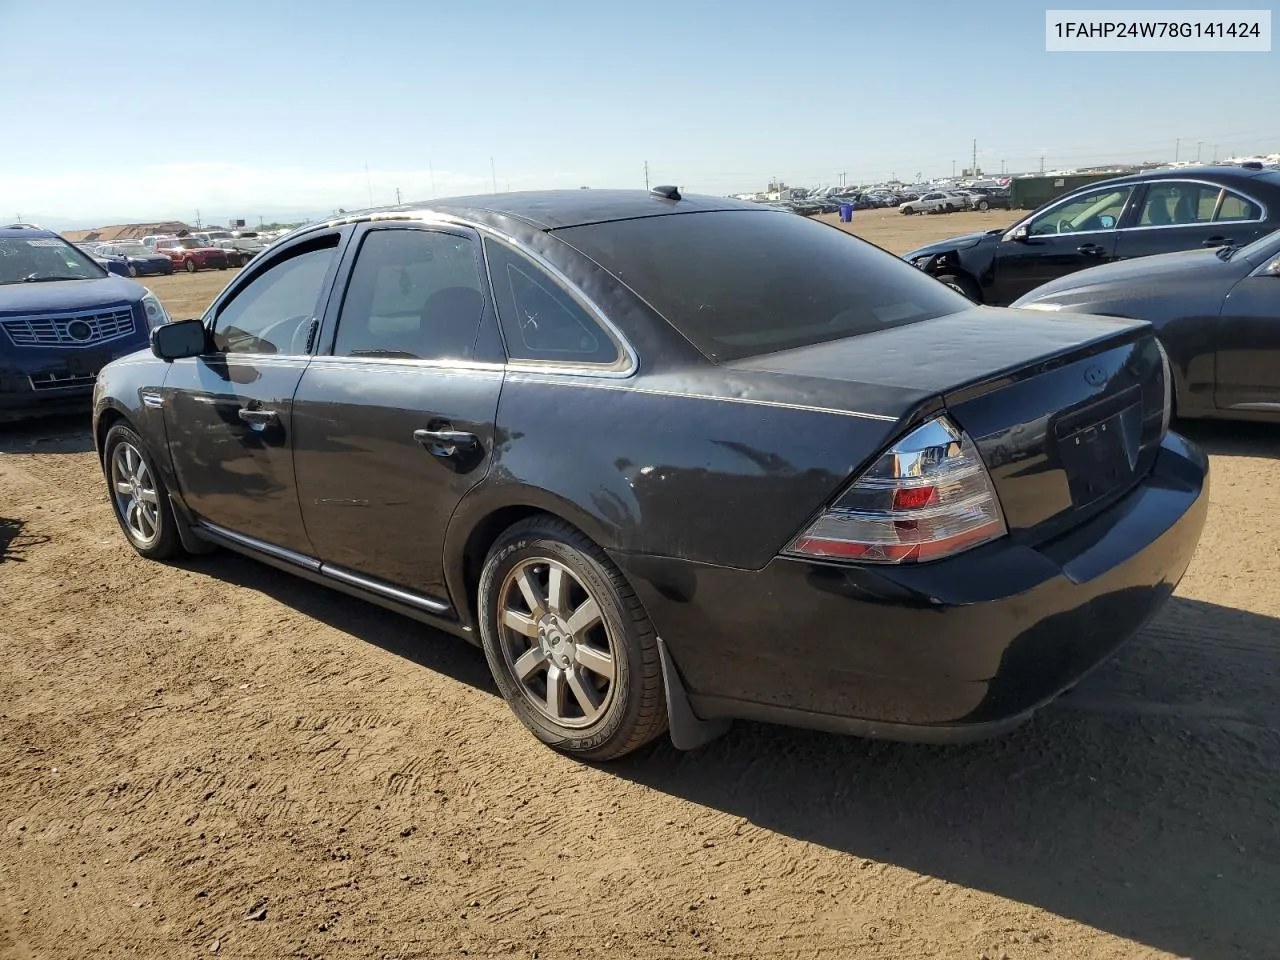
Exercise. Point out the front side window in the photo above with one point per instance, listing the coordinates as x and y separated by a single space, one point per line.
540 320
1096 210
413 295
272 313
1170 204
42 259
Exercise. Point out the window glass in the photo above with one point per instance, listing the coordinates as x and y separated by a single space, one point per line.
743 283
1236 207
32 259
1178 204
273 312
540 320
1096 210
414 295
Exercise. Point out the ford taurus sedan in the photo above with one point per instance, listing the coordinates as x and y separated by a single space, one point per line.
1217 313
670 461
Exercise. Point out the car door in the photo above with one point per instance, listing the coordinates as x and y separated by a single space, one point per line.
228 413
394 423
1076 233
1173 215
1247 342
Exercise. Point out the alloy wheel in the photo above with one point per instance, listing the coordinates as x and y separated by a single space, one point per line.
556 643
134 491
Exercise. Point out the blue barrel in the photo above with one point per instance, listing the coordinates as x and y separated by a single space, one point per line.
846 213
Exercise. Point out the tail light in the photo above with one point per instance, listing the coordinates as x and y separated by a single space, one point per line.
928 496
1167 372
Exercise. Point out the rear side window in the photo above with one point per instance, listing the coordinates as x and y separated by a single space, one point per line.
1236 207
540 320
742 283
1178 204
413 295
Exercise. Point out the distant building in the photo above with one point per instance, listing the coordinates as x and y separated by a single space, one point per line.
125 231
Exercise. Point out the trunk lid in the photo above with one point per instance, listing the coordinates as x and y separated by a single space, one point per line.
1066 410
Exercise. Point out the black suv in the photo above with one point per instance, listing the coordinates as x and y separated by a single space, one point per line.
62 318
1137 216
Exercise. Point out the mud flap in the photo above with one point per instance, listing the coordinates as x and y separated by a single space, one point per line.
190 542
688 731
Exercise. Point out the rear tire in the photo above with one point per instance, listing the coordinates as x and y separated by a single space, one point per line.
569 644
138 496
190 266
984 205
963 285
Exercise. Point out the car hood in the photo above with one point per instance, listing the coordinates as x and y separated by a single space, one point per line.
957 243
20 299
1146 271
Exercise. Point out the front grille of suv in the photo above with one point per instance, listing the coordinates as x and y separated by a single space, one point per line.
82 329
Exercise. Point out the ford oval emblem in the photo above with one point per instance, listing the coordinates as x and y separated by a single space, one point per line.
1095 376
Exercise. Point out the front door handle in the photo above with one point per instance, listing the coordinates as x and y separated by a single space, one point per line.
258 418
1090 250
1214 242
445 443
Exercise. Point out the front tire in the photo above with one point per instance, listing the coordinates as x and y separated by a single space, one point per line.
569 644
191 266
133 270
138 496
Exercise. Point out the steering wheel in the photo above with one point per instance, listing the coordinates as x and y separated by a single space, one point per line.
1065 226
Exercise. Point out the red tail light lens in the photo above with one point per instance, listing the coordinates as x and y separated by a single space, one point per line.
928 496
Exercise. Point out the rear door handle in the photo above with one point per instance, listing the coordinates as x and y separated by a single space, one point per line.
445 443
1090 250
258 418
1214 242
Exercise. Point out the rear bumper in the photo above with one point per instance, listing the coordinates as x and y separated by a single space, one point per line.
946 651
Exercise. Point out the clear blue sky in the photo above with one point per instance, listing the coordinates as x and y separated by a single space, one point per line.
145 109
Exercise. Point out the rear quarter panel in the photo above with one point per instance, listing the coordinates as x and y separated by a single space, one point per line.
648 472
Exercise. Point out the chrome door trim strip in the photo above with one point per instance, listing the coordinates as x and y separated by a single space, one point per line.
406 597
261 546
1256 405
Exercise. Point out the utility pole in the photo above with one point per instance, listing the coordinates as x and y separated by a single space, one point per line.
493 172
1215 153
646 176
1177 148
973 172
1002 167
197 218
1199 144
953 169
1042 164
397 196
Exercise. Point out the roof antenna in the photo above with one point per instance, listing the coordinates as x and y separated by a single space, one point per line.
666 193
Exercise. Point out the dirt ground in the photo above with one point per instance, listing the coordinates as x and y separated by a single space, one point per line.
217 758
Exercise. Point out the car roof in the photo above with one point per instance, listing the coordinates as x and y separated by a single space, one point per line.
14 230
1223 172
554 209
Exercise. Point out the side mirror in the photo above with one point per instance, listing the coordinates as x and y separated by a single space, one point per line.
1272 269
1018 233
182 338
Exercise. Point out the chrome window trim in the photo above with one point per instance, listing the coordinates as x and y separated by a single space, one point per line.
628 363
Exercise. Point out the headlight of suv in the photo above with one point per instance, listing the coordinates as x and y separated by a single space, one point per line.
155 311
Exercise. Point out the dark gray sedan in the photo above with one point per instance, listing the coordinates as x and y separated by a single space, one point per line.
1217 313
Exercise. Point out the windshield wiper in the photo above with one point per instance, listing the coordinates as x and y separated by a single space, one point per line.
36 278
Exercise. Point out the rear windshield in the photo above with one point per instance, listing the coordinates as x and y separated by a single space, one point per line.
743 283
